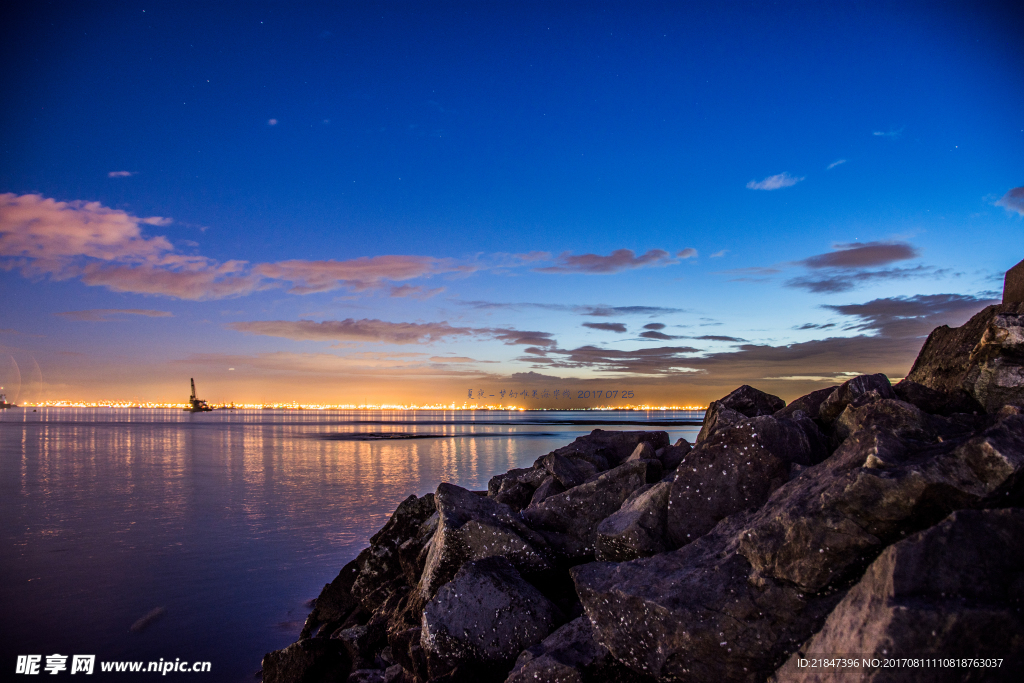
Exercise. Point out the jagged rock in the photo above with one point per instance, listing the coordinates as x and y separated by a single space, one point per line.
311 660
643 451
954 590
569 520
366 676
862 388
396 674
605 449
809 404
820 527
697 613
383 564
996 373
550 487
567 472
735 469
948 363
571 655
1013 284
515 494
360 644
936 402
407 651
638 528
335 602
412 554
899 418
472 527
671 456
483 618
741 403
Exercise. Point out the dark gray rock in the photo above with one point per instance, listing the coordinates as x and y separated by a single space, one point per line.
954 590
566 471
643 451
671 456
569 520
825 524
412 554
550 487
808 404
637 529
472 527
862 388
606 449
899 418
735 469
698 613
383 563
483 618
742 403
1013 284
335 602
366 676
936 402
571 655
311 660
948 364
995 376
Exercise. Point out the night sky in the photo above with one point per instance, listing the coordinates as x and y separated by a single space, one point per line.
416 202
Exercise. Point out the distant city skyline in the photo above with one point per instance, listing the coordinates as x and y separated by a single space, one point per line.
410 203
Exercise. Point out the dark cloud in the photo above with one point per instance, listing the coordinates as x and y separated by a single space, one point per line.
915 316
607 327
718 337
1013 200
369 330
862 255
815 326
611 311
845 280
654 334
108 314
654 326
617 261
589 310
665 360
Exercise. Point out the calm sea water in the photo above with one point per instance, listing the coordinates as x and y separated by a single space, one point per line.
230 521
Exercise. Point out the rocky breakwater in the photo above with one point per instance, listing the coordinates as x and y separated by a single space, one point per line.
865 519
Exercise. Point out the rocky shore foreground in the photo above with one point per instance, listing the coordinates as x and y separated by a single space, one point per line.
865 520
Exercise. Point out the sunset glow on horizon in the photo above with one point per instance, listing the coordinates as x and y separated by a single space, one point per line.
554 207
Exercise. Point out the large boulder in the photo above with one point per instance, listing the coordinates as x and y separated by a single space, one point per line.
808 404
698 613
823 525
605 449
953 591
311 660
979 359
572 655
569 520
736 468
860 389
472 527
743 402
335 602
637 529
485 616
383 562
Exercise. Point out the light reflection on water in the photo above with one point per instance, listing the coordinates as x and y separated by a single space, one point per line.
230 520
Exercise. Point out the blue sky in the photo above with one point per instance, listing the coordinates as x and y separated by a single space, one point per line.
408 201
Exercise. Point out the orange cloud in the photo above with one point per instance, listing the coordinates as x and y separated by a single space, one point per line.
359 274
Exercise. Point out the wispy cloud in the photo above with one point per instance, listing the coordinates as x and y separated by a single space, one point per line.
835 163
862 255
606 327
617 261
359 274
846 280
590 310
720 254
689 252
1013 200
664 360
654 334
120 174
414 292
373 330
887 133
109 314
774 182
